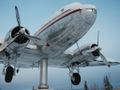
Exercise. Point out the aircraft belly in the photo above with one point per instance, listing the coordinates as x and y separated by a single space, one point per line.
64 33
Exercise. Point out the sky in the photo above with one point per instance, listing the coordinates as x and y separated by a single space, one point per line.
34 14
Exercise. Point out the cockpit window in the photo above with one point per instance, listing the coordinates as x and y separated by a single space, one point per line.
62 10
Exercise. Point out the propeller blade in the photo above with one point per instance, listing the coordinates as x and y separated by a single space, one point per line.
98 38
93 49
6 44
104 59
17 16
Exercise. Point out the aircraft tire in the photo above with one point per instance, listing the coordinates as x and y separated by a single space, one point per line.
76 79
9 74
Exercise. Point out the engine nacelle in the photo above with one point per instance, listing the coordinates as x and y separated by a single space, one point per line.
96 51
88 50
21 41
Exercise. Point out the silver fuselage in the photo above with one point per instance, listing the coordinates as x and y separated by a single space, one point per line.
61 32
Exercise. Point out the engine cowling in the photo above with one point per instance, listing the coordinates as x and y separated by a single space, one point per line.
21 38
95 52
89 49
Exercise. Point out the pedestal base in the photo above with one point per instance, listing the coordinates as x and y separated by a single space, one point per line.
43 86
42 89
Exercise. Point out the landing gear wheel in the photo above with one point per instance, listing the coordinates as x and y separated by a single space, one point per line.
75 78
9 74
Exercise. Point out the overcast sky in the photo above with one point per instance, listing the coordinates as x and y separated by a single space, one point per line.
35 12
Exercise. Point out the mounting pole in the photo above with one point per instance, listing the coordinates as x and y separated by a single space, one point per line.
43 74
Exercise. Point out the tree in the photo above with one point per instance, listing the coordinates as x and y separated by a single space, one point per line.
107 84
85 86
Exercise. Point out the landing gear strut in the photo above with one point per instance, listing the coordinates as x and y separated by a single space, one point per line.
9 74
74 74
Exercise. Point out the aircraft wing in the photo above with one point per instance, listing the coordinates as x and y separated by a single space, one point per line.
31 57
99 63
89 60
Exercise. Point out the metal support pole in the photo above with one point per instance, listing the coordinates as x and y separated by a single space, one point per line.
43 74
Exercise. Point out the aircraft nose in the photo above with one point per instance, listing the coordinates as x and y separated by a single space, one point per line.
94 10
90 10
89 15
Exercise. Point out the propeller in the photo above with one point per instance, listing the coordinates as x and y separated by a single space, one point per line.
95 50
101 55
23 32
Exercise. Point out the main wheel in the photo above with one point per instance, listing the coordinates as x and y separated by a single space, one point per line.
9 74
75 78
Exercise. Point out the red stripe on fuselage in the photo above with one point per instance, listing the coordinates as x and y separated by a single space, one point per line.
57 18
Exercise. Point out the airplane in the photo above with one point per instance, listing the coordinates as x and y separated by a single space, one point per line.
47 46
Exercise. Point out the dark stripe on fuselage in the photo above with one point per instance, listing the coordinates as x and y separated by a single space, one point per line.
57 18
